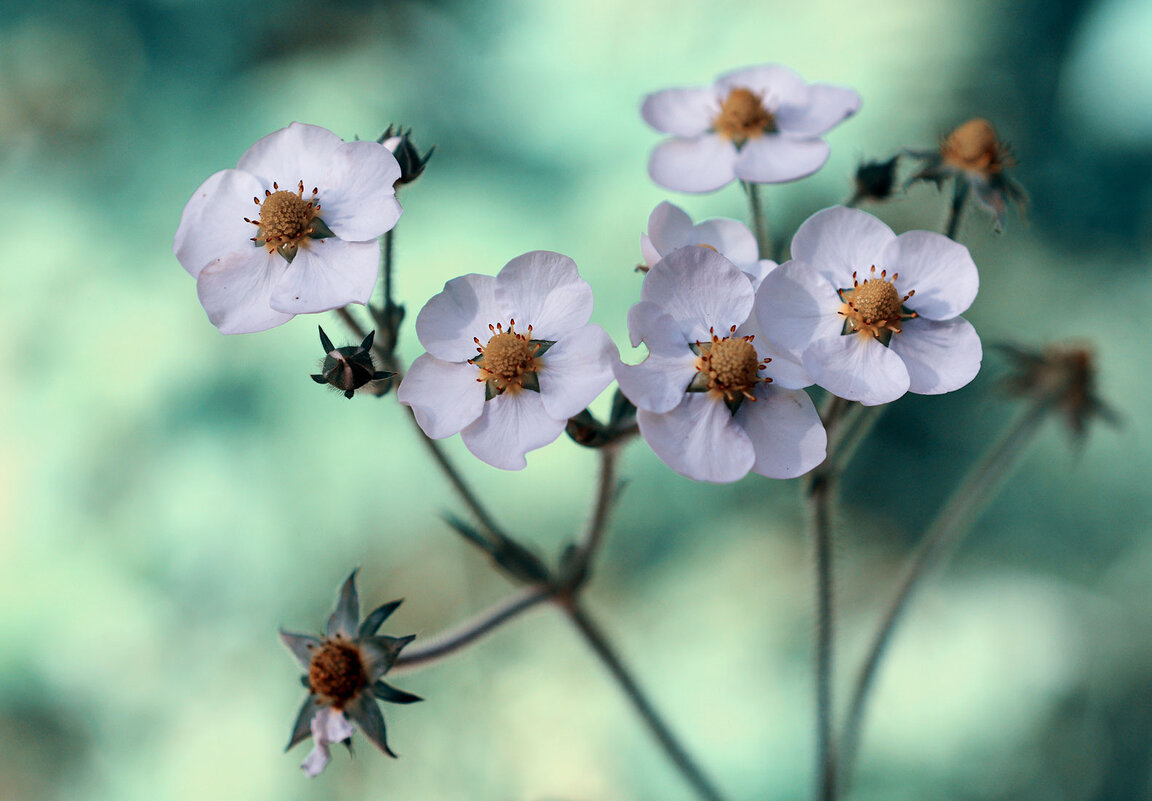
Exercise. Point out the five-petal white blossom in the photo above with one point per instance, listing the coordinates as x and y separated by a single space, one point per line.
510 358
872 315
670 228
291 230
704 401
760 124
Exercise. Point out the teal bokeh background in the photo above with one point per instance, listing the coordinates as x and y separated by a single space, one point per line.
170 496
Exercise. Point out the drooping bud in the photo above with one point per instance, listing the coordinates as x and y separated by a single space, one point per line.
875 180
348 368
399 141
1063 377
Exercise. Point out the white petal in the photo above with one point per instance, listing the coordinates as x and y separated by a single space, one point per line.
444 396
544 289
462 310
758 270
512 424
327 274
693 165
783 368
297 153
857 368
357 199
212 224
826 107
775 158
328 726
731 238
940 270
700 290
684 112
796 305
776 84
575 370
785 432
648 251
940 356
699 439
658 383
838 241
236 291
650 324
669 227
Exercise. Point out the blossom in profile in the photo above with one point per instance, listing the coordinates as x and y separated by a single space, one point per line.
975 156
670 228
872 315
760 124
344 670
291 230
714 400
349 368
510 358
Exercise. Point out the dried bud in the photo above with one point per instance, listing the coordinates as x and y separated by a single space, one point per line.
1062 376
411 162
349 368
876 179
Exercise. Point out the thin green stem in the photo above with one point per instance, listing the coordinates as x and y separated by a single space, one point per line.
939 541
426 652
599 643
759 220
605 496
386 262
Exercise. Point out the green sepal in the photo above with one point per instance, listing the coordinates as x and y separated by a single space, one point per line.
531 381
699 383
320 229
386 692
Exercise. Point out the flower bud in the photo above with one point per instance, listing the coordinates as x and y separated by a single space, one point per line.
411 162
348 368
1063 377
875 179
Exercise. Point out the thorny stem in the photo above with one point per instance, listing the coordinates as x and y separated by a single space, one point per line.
759 220
595 638
939 541
959 195
430 651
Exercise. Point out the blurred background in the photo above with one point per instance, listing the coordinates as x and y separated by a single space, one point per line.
170 496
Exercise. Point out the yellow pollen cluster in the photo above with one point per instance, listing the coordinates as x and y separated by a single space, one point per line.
286 218
336 671
508 360
874 307
743 116
973 146
728 366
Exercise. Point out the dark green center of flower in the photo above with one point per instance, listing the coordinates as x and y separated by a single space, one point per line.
743 116
336 672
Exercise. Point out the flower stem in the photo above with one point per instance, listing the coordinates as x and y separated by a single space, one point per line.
959 195
606 492
939 541
386 262
596 639
759 220
444 645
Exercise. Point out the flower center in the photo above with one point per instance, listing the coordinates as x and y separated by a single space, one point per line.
743 116
336 671
728 367
508 360
973 146
286 218
874 307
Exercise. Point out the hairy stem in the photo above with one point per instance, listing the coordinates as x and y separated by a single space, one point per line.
959 195
596 639
939 541
759 220
426 652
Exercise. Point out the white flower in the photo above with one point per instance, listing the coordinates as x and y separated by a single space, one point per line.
509 359
872 315
670 227
761 124
291 230
703 397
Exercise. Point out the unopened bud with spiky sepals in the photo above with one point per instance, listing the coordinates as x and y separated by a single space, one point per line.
1063 377
349 368
875 180
399 141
